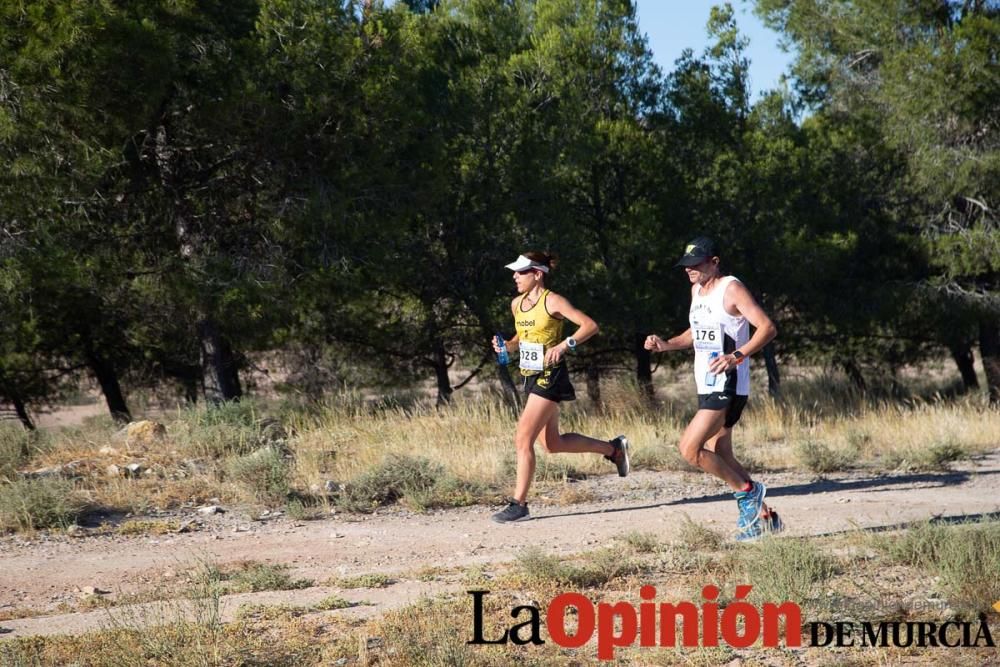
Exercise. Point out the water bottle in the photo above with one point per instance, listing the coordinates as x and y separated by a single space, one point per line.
710 376
502 357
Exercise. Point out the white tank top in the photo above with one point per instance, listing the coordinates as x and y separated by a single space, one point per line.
716 331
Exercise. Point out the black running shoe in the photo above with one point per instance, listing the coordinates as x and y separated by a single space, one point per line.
514 511
620 456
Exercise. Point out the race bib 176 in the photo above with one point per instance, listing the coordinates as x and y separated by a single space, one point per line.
707 339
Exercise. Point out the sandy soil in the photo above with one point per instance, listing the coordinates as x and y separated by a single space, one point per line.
42 572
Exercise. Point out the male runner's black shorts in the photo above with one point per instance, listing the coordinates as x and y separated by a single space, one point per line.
552 384
732 403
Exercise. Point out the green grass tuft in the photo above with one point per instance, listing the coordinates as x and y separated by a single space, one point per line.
246 577
696 537
35 504
821 458
642 543
417 482
363 581
783 569
966 558
265 474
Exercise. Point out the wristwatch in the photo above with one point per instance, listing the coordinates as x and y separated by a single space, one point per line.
739 357
571 344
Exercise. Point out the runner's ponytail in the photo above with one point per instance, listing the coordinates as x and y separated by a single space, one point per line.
547 259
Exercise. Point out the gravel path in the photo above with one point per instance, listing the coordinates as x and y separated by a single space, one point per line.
39 574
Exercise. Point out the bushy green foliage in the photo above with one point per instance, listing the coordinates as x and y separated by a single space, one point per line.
345 186
641 542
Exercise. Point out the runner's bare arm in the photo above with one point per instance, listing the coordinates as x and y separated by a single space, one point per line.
559 306
679 342
738 301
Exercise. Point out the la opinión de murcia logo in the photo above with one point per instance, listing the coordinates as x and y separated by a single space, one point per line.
738 624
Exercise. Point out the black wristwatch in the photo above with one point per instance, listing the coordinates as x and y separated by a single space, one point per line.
739 357
571 344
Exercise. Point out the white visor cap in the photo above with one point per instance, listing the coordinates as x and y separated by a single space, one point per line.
522 263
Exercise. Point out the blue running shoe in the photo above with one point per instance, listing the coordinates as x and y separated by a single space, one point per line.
750 533
750 503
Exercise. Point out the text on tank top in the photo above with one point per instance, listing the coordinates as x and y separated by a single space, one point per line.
537 331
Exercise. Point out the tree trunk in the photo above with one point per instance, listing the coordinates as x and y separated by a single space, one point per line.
22 414
594 384
221 372
190 385
855 375
107 377
643 366
964 359
989 351
440 363
20 409
773 375
510 393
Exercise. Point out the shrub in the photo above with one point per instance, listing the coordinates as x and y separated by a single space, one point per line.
784 569
265 473
968 568
228 429
536 565
246 577
821 458
696 537
641 542
418 482
332 602
941 455
598 567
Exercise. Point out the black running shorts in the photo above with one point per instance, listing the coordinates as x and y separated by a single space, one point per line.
732 403
552 384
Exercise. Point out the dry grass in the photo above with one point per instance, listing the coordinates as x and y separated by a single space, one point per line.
921 435
361 454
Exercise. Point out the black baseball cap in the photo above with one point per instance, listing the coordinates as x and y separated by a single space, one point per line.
697 251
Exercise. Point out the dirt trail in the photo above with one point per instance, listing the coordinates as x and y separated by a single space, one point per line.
38 574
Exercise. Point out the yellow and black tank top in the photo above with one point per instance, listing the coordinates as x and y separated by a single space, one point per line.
536 325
